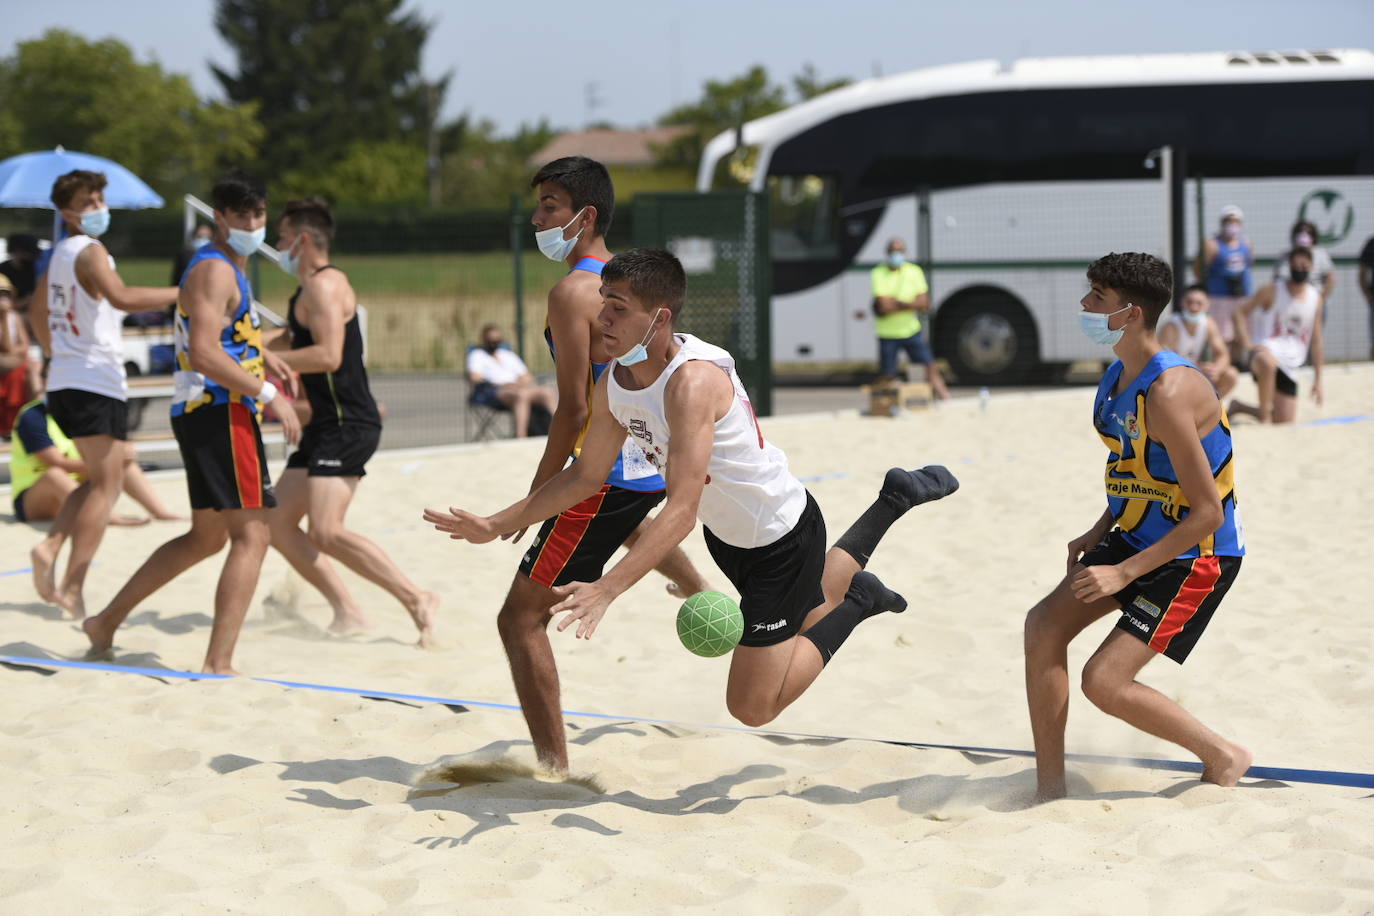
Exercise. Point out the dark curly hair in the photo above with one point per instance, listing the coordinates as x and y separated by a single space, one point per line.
655 277
1141 279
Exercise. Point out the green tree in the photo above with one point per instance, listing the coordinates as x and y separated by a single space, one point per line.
485 169
724 104
728 104
96 98
329 75
386 172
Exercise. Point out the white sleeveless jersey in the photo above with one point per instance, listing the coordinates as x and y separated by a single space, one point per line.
87 343
1290 328
750 499
1192 339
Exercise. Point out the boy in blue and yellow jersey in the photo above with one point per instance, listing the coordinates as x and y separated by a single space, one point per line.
574 210
1166 549
220 390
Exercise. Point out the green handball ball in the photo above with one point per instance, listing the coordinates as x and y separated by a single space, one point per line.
710 624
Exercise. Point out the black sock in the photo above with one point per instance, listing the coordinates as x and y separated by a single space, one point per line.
901 490
866 597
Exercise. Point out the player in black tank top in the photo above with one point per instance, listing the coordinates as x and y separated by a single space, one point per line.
345 429
341 396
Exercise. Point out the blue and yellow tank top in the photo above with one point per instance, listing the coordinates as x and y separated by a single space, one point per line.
241 339
1143 492
632 469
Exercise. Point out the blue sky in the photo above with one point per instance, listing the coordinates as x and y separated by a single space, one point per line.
518 62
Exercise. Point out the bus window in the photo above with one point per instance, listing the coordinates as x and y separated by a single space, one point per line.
804 213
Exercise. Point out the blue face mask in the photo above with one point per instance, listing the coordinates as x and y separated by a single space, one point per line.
289 262
1094 324
639 352
1195 318
245 242
895 259
95 223
552 243
200 242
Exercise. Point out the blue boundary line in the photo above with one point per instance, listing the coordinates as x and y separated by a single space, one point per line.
1285 774
16 572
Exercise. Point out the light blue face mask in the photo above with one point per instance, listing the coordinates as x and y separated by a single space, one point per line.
1094 324
96 223
1195 318
200 242
552 243
639 352
289 262
245 242
895 259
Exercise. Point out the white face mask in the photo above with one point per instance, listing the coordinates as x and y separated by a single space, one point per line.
639 352
1094 324
552 244
245 242
289 262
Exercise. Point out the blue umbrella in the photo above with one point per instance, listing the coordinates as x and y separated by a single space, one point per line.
26 180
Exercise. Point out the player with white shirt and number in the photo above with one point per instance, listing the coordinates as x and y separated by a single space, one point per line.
682 402
77 316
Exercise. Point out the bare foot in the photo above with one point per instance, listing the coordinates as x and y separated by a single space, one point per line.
73 602
349 625
425 614
680 592
129 521
100 635
208 668
44 558
1229 767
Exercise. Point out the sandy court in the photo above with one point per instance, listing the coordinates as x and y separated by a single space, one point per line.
129 793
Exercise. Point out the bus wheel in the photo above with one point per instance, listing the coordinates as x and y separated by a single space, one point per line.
988 337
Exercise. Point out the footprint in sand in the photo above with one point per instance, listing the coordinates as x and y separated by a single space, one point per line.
503 779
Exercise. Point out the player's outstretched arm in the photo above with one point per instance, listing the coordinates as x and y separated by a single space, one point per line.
696 397
569 487
1174 405
94 272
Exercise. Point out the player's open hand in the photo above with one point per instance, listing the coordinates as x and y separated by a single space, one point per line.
1095 582
290 421
462 526
275 365
584 602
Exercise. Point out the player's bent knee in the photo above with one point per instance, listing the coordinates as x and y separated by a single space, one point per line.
751 713
1101 687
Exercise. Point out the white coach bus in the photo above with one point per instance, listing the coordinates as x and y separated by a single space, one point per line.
1006 181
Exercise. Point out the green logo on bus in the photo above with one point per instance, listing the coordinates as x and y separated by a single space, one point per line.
1330 213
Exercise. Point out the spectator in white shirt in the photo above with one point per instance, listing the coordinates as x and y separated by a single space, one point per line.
500 379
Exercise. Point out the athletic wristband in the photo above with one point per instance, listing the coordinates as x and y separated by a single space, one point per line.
268 392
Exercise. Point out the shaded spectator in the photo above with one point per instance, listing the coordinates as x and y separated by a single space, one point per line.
1367 286
1294 308
202 235
20 268
501 380
900 296
1191 333
1224 268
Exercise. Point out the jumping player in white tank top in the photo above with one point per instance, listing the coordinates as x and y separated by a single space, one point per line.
683 403
1292 332
77 313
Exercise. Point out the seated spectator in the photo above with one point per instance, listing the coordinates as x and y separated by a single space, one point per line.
1293 327
45 468
501 380
1191 333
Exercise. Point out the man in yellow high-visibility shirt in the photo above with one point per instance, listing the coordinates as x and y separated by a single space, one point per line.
900 293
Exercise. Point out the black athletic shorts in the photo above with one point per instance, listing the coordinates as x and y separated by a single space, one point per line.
85 413
331 450
780 583
226 467
574 545
1169 607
